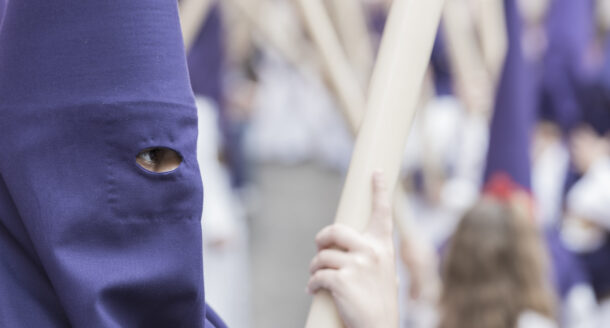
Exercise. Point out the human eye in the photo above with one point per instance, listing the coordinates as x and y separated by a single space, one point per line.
158 159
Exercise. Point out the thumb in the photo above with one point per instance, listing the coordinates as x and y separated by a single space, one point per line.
380 223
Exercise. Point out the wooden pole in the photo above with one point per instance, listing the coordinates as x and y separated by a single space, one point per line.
352 98
193 14
292 51
394 91
491 24
343 81
351 22
473 81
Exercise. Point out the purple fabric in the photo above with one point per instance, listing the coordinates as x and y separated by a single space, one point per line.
206 69
563 61
87 237
510 140
377 18
595 94
205 58
567 271
2 11
514 110
597 265
441 67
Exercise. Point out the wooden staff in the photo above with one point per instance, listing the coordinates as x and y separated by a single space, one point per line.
343 81
491 25
193 14
351 23
345 87
474 83
290 50
394 91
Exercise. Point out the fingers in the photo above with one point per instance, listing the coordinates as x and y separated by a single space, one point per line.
324 279
340 236
329 259
380 223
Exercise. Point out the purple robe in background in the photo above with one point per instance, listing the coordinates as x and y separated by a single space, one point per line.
514 110
205 58
510 139
597 266
2 11
595 93
441 68
206 69
569 29
566 266
596 100
87 237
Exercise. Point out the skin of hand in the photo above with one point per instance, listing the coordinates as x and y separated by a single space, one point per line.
358 268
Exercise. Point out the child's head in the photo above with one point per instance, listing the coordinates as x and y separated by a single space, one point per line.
495 267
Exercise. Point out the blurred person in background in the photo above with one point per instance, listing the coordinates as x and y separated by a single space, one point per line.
495 269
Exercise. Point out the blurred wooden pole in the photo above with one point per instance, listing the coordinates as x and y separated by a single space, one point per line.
491 24
343 81
345 87
193 14
472 79
394 92
270 34
352 24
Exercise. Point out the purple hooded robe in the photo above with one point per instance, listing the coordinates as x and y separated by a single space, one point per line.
87 237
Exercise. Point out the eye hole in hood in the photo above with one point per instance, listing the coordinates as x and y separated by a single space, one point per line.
158 159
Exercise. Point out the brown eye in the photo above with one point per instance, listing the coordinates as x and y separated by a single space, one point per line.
158 159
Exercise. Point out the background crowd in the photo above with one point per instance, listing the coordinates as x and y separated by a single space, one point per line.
504 198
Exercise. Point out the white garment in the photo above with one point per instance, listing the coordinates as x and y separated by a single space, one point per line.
531 319
295 119
225 245
579 308
462 189
604 314
549 172
589 198
435 133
